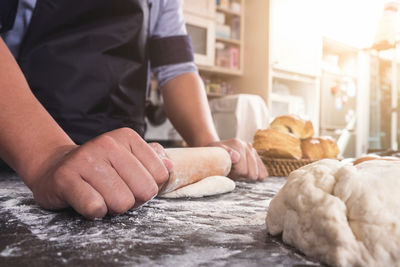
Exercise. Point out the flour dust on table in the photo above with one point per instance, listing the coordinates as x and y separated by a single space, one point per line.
213 185
341 214
224 230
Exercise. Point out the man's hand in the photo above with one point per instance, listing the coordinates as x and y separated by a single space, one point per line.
111 173
245 161
192 118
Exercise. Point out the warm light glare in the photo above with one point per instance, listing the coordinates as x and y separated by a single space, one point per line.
351 21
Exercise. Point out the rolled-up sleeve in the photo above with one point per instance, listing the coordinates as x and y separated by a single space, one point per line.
170 48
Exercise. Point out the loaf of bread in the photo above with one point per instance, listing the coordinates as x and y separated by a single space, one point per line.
277 144
319 148
293 124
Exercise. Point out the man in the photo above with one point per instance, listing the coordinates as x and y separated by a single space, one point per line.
71 122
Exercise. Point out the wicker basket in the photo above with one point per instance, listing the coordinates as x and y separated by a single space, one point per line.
283 167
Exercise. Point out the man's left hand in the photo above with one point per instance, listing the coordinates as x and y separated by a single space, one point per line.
245 161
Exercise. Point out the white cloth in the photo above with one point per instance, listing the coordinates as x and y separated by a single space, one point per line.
239 116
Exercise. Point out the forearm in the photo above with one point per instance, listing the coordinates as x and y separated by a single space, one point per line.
187 108
28 134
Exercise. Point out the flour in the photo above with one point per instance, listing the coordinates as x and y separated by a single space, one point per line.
10 251
221 229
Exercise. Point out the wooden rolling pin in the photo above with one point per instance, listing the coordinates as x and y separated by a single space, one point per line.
191 165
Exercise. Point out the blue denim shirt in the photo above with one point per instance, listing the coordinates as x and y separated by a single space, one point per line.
166 19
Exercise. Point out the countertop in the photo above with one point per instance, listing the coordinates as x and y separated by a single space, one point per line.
224 230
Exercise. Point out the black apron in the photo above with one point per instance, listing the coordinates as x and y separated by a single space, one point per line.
8 11
87 63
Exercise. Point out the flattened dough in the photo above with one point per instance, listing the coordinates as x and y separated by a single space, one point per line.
209 186
341 214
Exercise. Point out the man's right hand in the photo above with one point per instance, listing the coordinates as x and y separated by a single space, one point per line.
109 174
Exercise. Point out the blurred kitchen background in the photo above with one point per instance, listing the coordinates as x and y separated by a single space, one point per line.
334 62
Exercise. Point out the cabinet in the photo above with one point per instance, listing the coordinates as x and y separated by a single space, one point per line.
216 29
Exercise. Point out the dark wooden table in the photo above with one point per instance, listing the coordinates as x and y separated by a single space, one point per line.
225 230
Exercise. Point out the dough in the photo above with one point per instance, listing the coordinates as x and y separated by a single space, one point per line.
209 186
341 214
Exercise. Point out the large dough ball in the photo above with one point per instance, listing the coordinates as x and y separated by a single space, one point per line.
343 215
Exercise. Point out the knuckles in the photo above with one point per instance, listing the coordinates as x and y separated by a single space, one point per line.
159 149
84 157
106 142
128 132
157 145
237 142
81 157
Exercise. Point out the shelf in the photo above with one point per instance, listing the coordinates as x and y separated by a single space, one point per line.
281 69
331 46
228 40
215 95
339 74
228 11
294 77
221 70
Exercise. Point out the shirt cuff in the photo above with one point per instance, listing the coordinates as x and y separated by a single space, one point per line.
167 72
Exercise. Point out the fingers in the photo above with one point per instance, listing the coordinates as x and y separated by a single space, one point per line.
263 173
118 171
133 166
159 149
140 182
246 162
143 152
257 169
111 173
252 169
240 169
234 154
83 198
106 181
93 163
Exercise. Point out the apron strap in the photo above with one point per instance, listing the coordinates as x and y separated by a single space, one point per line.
8 11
